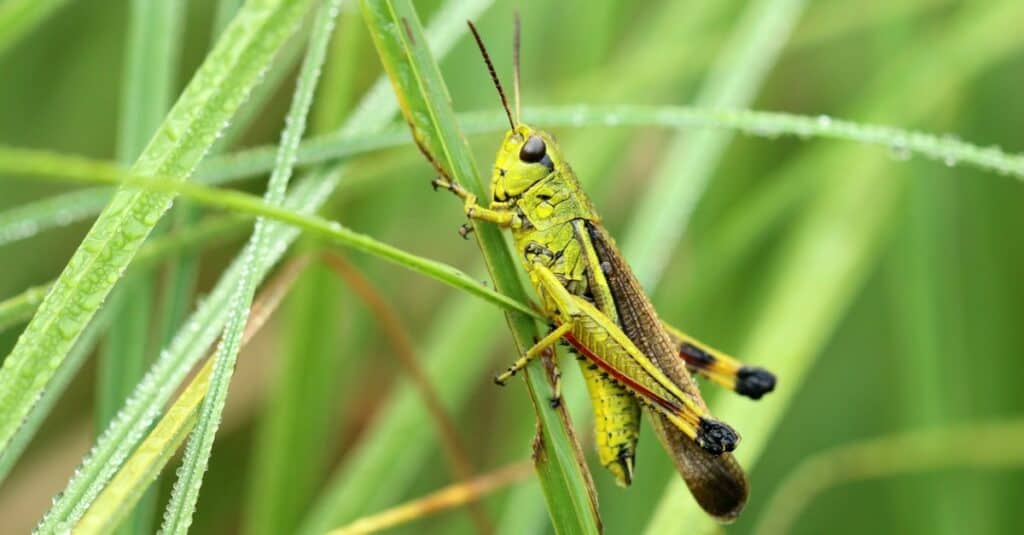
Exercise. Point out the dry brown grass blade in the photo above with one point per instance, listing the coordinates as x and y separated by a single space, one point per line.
404 349
444 499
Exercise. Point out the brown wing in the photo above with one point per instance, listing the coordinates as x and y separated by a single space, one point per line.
716 481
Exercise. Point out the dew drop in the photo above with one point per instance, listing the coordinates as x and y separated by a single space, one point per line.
899 151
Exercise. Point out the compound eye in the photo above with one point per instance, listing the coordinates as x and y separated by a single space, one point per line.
533 150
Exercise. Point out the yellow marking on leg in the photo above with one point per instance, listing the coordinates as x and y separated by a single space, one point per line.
750 381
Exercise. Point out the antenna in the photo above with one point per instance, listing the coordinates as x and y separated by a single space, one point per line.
515 63
494 74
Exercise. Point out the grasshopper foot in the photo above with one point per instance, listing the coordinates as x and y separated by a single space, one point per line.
716 437
465 230
440 183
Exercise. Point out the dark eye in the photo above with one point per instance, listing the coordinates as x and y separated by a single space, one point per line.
533 150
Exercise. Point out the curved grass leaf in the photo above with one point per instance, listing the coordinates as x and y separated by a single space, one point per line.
29 219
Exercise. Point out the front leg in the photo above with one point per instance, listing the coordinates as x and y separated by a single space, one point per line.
501 214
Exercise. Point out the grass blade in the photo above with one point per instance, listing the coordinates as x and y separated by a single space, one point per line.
61 379
150 67
395 29
27 220
178 515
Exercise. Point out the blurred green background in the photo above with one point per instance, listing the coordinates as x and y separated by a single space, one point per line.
914 325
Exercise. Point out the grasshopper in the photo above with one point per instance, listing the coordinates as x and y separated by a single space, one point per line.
630 359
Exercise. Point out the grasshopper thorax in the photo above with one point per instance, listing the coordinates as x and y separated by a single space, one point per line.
526 156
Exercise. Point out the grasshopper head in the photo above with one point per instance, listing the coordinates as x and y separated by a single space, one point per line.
526 156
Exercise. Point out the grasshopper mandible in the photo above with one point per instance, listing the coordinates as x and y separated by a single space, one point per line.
629 358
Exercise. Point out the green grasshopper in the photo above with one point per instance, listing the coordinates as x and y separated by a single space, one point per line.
629 358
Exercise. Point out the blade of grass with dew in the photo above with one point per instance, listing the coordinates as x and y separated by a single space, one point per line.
218 89
68 369
891 456
150 65
395 29
29 219
181 507
182 274
19 17
294 438
200 331
297 432
785 338
166 437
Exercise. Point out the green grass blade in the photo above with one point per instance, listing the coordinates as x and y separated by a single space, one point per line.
180 509
61 379
293 446
150 66
297 434
27 220
395 29
18 17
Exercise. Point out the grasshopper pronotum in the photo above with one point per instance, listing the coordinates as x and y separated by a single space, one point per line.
629 358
